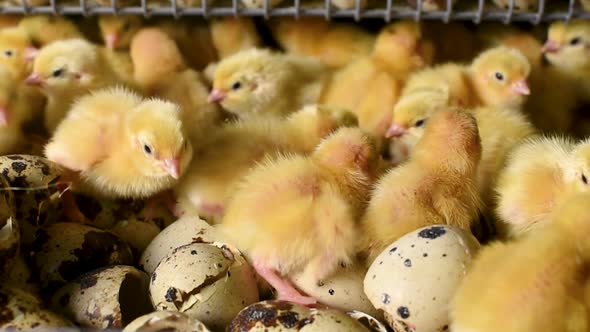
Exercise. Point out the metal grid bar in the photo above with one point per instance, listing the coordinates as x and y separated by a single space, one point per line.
482 10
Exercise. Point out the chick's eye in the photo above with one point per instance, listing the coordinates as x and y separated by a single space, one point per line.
419 123
147 149
8 53
575 41
584 179
57 72
499 76
236 86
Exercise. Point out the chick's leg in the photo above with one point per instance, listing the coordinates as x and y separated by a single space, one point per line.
285 291
69 205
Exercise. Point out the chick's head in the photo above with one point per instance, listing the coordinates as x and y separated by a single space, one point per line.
500 77
66 64
568 45
160 148
117 31
246 80
403 48
7 94
16 51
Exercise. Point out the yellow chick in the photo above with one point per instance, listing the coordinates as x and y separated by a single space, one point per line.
117 31
539 176
16 51
257 81
45 29
321 196
233 34
539 282
122 146
14 110
67 69
438 185
226 155
335 44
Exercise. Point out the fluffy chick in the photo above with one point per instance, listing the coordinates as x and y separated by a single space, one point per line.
67 69
14 110
16 51
45 29
117 31
233 34
437 185
538 282
540 175
256 81
322 196
229 152
335 44
122 146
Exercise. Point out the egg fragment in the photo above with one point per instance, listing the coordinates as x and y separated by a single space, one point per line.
211 283
368 321
138 234
414 279
165 321
189 229
21 311
106 298
343 290
64 251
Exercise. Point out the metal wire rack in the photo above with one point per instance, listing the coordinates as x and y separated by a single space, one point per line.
474 10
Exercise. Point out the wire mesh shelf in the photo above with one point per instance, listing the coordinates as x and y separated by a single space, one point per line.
470 10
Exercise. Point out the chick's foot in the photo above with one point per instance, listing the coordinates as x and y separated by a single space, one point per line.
285 291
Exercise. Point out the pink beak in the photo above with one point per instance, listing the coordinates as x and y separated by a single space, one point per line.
34 79
395 130
215 96
3 117
521 87
550 47
111 40
31 53
172 167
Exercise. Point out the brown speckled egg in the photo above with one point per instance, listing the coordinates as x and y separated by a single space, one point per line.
110 297
64 251
368 321
36 177
138 234
189 229
343 290
166 321
9 245
280 316
211 283
21 276
414 279
21 311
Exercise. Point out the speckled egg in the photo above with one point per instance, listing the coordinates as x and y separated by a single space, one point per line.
413 280
138 234
36 176
21 311
280 316
189 229
166 321
343 290
64 251
9 245
105 298
211 283
368 321
21 276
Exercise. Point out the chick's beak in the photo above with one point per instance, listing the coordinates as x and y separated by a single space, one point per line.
3 116
521 87
215 96
172 167
395 130
34 79
111 40
550 47
31 53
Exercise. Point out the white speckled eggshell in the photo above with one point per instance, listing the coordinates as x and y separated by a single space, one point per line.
414 279
165 321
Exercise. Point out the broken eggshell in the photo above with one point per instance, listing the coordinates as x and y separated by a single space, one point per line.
105 298
64 251
21 311
343 290
414 279
368 321
189 229
138 234
211 283
165 321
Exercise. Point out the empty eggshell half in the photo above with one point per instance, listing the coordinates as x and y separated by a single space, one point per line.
107 298
189 229
343 290
414 279
211 283
165 321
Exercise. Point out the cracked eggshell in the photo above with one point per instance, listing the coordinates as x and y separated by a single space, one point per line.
21 311
33 206
165 321
281 316
211 283
189 229
106 298
343 290
138 234
368 321
414 279
65 251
